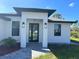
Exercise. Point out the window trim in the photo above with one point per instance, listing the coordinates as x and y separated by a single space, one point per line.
59 27
18 28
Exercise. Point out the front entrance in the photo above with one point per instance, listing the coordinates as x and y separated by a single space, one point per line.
33 32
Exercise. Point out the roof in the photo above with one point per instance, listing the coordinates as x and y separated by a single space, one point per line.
62 21
19 10
49 11
7 14
5 18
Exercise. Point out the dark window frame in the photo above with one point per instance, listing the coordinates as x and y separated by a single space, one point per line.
15 28
57 29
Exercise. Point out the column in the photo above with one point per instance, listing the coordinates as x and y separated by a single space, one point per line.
45 33
23 33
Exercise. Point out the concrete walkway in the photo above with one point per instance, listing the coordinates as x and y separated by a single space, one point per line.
33 50
37 50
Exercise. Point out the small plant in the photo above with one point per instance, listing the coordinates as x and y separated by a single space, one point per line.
9 42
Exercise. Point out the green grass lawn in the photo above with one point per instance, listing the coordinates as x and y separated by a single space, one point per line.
59 51
74 39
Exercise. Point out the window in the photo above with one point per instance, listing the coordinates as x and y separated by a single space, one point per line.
57 29
15 28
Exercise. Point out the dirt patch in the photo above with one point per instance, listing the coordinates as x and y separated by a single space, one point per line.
5 50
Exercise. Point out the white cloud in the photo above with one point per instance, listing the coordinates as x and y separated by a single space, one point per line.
47 7
71 4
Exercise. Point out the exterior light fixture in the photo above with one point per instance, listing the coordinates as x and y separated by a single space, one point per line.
23 24
45 23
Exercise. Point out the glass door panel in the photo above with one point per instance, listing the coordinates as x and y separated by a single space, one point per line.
33 32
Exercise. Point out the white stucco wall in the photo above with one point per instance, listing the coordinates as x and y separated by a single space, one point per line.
13 18
34 17
24 28
4 29
65 33
1 29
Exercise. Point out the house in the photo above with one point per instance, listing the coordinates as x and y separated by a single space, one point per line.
34 25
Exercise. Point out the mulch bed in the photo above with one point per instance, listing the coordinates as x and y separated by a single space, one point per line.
5 50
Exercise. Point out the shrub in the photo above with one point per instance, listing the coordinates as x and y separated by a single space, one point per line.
9 42
75 34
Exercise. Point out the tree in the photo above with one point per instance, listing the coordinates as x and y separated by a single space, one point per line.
57 15
75 30
75 27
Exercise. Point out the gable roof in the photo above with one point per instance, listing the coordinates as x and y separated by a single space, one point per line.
19 10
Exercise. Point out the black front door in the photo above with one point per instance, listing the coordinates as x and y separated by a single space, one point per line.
33 32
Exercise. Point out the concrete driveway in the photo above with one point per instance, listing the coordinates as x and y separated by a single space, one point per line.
33 50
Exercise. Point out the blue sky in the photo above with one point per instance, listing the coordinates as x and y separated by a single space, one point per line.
68 8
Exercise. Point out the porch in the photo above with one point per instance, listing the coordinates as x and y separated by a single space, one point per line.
34 28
